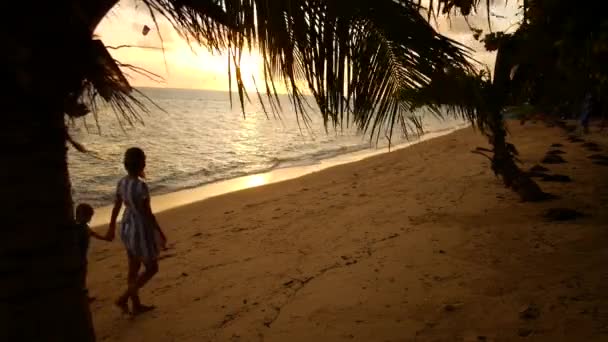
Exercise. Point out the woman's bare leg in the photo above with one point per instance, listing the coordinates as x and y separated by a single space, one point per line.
151 268
134 266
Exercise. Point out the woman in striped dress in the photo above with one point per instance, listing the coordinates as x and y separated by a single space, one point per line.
139 232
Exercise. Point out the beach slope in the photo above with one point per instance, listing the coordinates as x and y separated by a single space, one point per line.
420 244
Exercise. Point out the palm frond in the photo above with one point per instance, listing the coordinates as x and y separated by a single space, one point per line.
465 7
366 62
358 57
464 95
106 81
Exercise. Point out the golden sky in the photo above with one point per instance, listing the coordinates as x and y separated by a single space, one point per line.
190 66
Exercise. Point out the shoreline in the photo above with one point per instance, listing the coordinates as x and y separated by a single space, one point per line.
420 244
175 199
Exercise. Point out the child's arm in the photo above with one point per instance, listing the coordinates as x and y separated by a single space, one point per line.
112 229
97 235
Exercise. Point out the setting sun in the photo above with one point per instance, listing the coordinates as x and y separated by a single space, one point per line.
180 64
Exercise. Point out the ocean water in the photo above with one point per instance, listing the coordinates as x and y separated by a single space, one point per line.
197 138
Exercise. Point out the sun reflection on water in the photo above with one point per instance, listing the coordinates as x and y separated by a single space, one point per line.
256 180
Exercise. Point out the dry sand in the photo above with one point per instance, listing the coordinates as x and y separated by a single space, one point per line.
420 244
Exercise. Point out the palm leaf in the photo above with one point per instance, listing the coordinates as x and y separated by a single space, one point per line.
360 59
463 95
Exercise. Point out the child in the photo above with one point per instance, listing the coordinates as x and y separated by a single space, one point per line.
84 213
140 232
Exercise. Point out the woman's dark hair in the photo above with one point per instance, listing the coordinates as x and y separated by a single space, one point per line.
135 161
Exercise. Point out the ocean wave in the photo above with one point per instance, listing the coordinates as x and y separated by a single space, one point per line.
201 139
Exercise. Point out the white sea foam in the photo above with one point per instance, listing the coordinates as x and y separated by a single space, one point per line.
200 139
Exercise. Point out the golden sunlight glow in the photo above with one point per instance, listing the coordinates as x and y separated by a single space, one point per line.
180 64
256 180
185 66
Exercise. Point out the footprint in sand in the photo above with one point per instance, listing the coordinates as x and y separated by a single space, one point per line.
561 214
166 256
538 168
598 157
575 139
590 144
556 178
553 159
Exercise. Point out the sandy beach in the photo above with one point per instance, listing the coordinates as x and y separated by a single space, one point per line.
420 244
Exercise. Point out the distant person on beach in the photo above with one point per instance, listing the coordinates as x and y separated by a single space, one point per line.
140 232
84 214
586 112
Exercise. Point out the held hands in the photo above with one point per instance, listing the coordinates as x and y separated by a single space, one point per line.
111 232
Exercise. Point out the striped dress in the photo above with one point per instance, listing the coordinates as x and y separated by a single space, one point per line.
141 239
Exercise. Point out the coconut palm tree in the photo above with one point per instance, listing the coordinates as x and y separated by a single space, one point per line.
359 58
556 44
555 39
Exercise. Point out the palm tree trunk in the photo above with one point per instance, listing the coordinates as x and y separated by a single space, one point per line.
45 59
503 162
42 297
